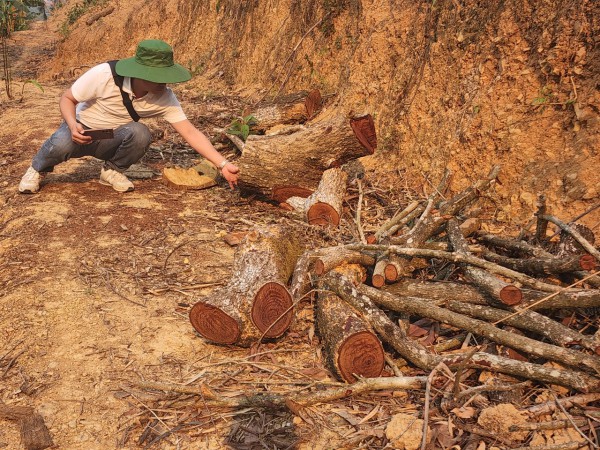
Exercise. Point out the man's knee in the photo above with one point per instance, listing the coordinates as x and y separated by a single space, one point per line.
138 134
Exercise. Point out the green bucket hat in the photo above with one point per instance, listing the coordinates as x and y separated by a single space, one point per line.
153 61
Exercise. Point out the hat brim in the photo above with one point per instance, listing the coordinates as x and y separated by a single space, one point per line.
173 74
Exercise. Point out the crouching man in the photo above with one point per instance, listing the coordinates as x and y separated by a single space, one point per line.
114 96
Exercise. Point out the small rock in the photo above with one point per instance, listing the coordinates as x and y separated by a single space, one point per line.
405 432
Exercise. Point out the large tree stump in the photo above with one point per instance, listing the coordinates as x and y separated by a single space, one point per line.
256 302
288 109
287 165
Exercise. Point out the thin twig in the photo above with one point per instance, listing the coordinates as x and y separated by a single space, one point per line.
358 211
568 416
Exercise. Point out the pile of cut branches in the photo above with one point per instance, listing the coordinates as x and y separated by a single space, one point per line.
489 318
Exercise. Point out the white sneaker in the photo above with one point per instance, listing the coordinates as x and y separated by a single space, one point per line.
117 180
30 183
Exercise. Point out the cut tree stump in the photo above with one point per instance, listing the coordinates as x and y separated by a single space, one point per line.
179 178
255 303
291 165
289 109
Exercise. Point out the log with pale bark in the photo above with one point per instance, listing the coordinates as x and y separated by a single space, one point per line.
350 346
499 292
295 108
291 165
256 302
324 206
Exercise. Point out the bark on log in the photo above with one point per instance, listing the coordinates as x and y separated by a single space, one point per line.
544 266
530 321
288 109
359 298
521 343
320 261
256 301
351 347
283 166
441 291
499 292
324 206
528 249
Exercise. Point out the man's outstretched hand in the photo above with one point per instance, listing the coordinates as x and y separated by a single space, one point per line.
231 173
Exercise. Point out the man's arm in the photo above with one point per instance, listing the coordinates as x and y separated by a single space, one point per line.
68 105
202 145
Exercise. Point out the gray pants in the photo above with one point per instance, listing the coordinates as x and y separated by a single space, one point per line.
130 143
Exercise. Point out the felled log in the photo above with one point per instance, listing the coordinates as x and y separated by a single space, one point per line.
499 292
351 348
324 206
255 303
288 109
544 266
34 433
360 298
530 321
523 247
283 166
316 262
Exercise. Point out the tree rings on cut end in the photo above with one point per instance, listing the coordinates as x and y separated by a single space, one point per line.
323 214
361 354
377 280
364 130
282 193
511 295
272 306
391 273
313 103
588 262
215 325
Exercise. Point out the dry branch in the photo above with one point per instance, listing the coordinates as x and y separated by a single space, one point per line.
360 298
99 15
499 292
530 321
270 400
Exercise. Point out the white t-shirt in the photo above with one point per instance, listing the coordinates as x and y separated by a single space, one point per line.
101 104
